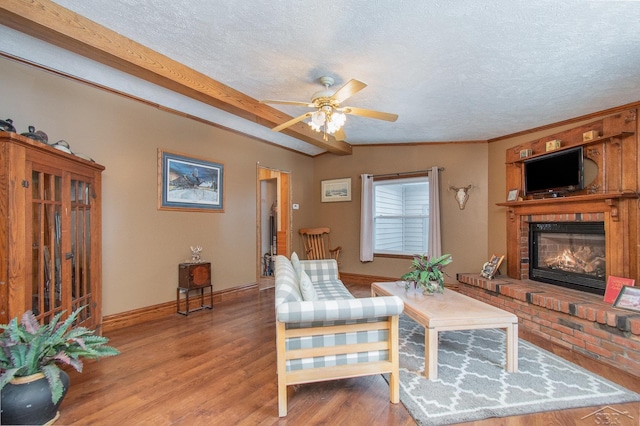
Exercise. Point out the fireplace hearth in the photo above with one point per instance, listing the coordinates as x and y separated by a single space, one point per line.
568 254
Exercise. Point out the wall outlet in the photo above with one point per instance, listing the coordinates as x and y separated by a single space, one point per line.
296 206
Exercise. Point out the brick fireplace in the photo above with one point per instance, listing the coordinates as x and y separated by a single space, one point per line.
574 319
569 254
617 212
569 317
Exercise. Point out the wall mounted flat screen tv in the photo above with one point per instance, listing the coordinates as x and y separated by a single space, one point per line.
554 173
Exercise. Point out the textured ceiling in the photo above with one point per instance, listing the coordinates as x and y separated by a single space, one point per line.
452 70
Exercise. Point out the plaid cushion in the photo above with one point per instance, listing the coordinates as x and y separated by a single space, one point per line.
331 290
321 270
333 360
333 310
287 287
326 340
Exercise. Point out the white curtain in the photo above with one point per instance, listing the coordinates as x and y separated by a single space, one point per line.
434 248
366 218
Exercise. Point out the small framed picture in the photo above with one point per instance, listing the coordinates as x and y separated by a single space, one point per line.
490 268
336 190
512 195
629 298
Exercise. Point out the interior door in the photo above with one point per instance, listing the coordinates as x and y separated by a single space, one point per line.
276 213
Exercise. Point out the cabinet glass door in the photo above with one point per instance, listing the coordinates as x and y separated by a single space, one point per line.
81 282
61 275
46 249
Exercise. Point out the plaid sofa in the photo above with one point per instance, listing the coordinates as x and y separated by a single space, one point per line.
335 336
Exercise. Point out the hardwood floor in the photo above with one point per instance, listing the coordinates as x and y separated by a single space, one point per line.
219 367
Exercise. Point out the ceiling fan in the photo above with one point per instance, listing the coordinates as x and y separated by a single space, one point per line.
329 116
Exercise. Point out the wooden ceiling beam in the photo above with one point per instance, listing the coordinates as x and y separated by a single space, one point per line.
54 24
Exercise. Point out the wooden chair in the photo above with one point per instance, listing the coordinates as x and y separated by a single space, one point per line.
317 244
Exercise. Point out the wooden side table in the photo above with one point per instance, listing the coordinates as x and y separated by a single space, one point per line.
194 276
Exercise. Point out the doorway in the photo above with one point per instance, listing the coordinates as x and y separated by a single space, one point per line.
273 234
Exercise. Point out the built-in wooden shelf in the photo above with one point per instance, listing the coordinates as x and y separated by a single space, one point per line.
585 143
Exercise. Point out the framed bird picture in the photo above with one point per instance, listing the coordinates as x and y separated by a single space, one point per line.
490 268
190 184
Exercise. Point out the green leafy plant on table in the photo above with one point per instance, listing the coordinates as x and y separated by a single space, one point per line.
427 272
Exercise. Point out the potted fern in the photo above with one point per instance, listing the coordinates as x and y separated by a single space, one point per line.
427 272
32 384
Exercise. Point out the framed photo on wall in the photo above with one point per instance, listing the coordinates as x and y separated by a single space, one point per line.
336 190
189 184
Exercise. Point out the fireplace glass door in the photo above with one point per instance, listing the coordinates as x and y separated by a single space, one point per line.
568 254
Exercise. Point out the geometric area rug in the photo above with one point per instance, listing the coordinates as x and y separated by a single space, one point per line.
473 384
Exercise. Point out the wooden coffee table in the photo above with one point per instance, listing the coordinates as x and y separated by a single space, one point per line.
451 311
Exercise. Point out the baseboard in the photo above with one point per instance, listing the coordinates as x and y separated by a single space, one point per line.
154 312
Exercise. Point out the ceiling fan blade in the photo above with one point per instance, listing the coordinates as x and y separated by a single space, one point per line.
291 122
352 87
339 134
379 115
296 103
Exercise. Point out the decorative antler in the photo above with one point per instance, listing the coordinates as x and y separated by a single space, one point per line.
461 194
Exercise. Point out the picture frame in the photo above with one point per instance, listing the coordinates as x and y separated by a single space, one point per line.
490 268
335 190
513 194
189 183
629 299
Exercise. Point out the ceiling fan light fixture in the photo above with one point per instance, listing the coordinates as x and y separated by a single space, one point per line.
332 121
335 122
329 116
317 120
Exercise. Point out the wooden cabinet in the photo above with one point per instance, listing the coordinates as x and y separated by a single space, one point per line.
50 232
194 275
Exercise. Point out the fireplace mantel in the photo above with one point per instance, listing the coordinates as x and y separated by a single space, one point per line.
619 215
608 198
591 202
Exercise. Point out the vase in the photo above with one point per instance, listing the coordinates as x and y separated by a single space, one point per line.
432 287
27 400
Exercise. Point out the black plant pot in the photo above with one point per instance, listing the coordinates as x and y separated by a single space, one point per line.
30 403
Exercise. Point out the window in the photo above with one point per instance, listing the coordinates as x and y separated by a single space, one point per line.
401 216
